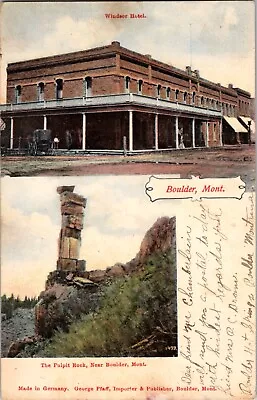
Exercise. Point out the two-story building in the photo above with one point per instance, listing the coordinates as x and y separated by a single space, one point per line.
109 97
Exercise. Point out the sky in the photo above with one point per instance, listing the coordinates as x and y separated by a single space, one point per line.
215 37
117 216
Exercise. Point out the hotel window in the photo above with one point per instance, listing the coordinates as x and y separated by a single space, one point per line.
140 86
193 98
176 94
40 91
88 86
59 89
185 97
18 94
168 93
202 101
158 91
127 84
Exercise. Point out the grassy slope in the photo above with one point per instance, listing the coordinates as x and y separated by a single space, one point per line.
137 317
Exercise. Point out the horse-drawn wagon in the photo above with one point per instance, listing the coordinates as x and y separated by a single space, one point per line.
40 141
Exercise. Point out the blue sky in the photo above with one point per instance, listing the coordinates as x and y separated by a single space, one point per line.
222 33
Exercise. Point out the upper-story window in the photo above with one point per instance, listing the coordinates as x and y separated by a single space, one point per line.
40 91
18 94
168 93
193 98
185 97
127 84
158 90
202 101
140 86
59 89
176 94
88 86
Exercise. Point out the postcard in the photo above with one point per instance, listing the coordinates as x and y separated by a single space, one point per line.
128 201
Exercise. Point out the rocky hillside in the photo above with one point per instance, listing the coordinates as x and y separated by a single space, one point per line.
145 287
21 325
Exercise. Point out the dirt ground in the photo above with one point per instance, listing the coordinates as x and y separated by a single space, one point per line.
219 162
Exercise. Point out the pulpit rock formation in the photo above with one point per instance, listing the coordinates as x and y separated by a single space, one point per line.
72 211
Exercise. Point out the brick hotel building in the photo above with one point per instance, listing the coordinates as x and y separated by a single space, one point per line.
101 95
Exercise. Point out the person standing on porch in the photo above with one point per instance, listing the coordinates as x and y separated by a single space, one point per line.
56 142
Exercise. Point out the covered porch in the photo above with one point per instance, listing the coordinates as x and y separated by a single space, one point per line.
120 123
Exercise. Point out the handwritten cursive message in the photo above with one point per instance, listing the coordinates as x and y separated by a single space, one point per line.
216 292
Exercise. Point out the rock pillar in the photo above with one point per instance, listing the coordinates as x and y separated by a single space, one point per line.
72 210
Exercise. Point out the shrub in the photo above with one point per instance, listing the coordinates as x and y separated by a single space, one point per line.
137 316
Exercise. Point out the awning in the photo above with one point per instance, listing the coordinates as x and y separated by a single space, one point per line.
245 121
235 124
2 125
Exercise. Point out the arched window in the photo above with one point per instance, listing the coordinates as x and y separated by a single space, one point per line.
59 89
88 86
40 91
185 97
168 93
176 94
140 86
202 101
193 98
18 94
127 84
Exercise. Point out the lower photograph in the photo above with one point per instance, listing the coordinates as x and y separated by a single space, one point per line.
89 269
122 288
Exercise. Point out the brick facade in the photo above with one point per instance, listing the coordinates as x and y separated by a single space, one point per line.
114 70
108 73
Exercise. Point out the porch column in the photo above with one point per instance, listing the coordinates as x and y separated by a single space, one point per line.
207 134
130 130
176 129
193 132
221 143
11 136
45 122
156 132
84 124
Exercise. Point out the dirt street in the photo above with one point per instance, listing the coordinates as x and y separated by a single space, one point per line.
220 162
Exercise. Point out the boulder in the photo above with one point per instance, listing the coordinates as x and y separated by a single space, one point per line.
60 305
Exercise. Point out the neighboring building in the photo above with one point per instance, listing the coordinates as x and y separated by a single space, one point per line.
92 99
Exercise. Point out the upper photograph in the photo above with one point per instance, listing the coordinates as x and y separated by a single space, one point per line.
128 88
